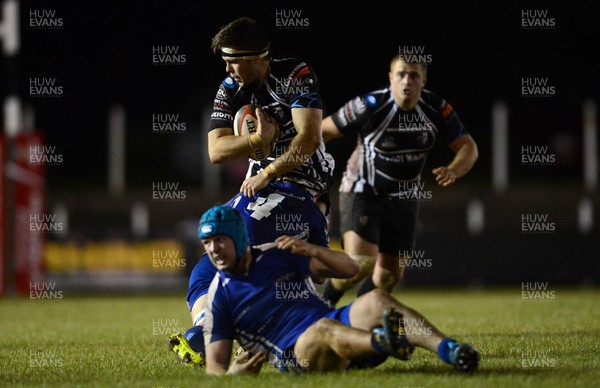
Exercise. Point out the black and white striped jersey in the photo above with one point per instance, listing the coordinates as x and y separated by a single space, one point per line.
291 84
392 144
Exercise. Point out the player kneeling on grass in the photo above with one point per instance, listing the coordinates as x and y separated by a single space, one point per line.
260 297
264 215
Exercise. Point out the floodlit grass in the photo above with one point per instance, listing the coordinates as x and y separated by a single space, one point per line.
121 341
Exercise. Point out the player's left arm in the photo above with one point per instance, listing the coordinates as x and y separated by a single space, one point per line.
218 354
465 156
307 122
324 262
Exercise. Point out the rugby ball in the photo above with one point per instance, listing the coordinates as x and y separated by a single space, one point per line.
246 122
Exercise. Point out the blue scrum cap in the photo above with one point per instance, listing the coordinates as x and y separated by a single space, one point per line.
225 220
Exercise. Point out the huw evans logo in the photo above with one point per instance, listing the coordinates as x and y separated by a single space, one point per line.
537 223
414 259
537 87
44 87
167 123
167 191
168 55
537 19
44 155
415 54
414 191
45 359
45 223
294 86
291 154
44 290
290 19
291 291
537 359
290 224
537 156
167 326
44 19
536 291
167 259
414 123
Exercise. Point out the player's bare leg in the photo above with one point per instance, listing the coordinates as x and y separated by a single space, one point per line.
364 253
329 345
367 312
387 272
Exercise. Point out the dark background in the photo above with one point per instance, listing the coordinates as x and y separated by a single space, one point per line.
103 56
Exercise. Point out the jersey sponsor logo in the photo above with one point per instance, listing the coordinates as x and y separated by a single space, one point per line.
403 158
341 117
221 104
291 195
358 105
221 93
221 115
349 113
300 70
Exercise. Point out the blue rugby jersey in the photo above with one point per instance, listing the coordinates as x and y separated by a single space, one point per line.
281 208
268 309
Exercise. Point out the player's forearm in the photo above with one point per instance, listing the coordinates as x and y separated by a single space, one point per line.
464 159
297 153
337 263
228 148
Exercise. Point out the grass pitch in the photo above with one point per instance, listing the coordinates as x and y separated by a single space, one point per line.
121 341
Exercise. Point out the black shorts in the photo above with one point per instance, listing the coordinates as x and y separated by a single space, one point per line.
389 223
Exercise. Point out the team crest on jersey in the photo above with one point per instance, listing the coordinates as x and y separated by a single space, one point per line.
229 83
423 138
371 100
277 112
388 142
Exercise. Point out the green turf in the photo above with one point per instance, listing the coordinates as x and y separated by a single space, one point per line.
121 342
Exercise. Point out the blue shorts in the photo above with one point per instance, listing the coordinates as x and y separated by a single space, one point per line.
341 314
289 363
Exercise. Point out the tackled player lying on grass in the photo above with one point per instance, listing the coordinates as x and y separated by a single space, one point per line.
250 301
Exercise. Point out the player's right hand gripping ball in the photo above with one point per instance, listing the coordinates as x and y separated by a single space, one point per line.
245 123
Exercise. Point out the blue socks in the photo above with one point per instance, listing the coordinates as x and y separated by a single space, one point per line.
196 338
445 349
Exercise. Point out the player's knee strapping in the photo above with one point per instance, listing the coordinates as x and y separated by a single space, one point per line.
199 318
387 279
366 263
